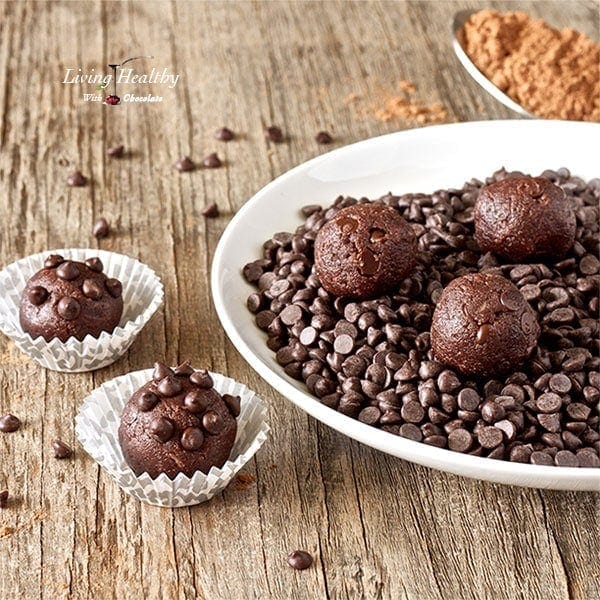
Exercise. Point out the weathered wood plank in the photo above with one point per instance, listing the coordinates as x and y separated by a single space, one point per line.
378 527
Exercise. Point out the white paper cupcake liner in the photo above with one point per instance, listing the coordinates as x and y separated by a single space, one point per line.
97 425
142 295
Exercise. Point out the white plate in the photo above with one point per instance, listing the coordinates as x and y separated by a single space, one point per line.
420 160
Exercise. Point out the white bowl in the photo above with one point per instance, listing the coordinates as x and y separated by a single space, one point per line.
419 160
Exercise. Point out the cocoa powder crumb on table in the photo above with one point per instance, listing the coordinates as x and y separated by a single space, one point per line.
396 104
551 73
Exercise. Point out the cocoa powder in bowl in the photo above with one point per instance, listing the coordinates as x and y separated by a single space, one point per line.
552 73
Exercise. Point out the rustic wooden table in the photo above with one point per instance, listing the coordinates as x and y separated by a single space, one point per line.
378 527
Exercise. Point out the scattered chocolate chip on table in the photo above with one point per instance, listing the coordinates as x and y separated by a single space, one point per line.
101 228
9 423
224 134
77 179
116 151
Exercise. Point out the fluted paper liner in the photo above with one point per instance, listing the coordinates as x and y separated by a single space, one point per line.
142 295
97 425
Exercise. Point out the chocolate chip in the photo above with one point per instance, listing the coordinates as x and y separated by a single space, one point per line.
299 560
369 415
92 289
491 411
212 161
212 422
169 386
101 228
571 441
560 383
308 336
147 401
9 423
202 379
565 458
468 399
67 271
412 412
76 179
511 300
68 308
549 402
184 369
541 458
323 137
589 265
578 411
448 382
291 314
264 319
116 151
343 344
482 334
252 272
274 134
37 295
161 371
211 211
490 437
61 450
368 262
95 264
114 287
185 164
460 440
192 438
588 458
196 401
162 428
224 134
3 498
410 432
53 261
520 454
550 422
233 404
254 302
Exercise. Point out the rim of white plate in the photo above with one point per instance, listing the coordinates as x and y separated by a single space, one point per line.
568 478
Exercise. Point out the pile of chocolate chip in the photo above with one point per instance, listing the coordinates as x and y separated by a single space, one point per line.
372 359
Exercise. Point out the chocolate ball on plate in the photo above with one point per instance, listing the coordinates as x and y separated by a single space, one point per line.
178 423
522 218
483 326
70 299
364 251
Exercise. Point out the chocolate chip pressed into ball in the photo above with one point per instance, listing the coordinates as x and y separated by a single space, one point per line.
70 299
483 326
364 251
178 423
522 218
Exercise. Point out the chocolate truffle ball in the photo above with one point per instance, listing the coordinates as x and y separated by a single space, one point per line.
522 218
482 325
70 299
178 423
364 251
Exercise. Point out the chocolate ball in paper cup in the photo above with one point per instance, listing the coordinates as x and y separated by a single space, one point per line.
104 411
77 310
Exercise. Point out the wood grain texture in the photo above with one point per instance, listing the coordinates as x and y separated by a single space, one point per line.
378 527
